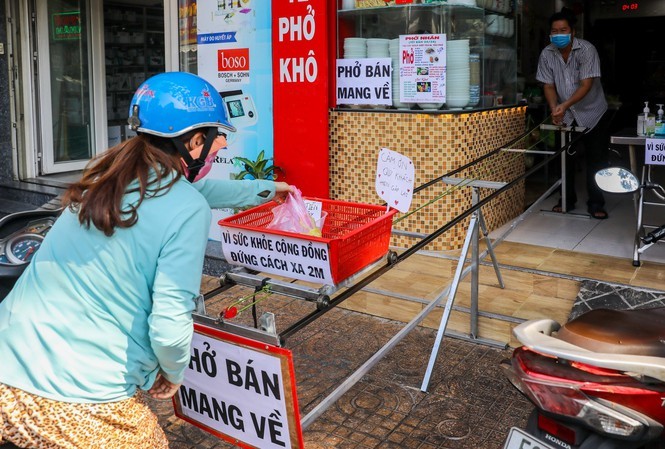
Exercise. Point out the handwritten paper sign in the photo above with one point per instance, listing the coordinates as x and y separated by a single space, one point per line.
241 390
394 179
314 209
364 81
307 260
654 151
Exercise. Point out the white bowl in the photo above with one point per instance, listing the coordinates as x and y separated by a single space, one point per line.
430 106
457 102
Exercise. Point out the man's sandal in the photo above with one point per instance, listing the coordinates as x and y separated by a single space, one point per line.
597 212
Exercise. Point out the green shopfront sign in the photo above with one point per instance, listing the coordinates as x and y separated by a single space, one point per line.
66 26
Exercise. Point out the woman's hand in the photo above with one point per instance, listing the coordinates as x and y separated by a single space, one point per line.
282 189
162 388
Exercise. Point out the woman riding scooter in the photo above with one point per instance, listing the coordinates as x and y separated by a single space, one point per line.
103 311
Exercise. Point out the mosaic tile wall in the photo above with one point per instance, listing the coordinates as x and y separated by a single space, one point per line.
437 144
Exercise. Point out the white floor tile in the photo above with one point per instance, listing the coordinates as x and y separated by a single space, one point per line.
612 237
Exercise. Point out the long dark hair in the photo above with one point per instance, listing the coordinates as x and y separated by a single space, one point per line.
97 196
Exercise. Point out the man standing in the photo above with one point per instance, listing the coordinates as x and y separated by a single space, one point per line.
570 69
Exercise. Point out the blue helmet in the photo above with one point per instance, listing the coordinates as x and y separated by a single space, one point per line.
173 103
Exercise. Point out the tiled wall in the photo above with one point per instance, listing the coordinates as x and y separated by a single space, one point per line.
437 144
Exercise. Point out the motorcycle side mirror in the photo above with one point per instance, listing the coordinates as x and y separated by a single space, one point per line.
617 180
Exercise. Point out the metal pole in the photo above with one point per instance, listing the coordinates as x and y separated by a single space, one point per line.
638 230
475 266
449 303
490 248
364 369
564 200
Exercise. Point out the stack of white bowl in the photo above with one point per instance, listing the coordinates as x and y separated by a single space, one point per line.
509 25
493 24
498 25
393 51
377 48
355 47
496 5
458 73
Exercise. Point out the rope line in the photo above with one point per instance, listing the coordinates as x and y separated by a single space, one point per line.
481 172
257 296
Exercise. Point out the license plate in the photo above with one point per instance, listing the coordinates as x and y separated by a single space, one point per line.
519 439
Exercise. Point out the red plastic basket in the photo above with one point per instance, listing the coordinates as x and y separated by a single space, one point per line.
356 234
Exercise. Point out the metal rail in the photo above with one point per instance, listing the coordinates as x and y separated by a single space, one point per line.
394 258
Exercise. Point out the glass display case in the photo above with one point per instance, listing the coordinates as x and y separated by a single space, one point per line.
134 51
486 66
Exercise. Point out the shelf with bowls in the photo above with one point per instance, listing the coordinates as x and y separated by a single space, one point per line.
477 32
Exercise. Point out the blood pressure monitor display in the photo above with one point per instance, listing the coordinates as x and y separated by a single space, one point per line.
235 108
240 106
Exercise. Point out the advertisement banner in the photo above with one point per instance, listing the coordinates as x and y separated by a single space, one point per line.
234 53
241 390
300 93
422 68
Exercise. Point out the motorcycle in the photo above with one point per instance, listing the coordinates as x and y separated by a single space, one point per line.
597 381
21 235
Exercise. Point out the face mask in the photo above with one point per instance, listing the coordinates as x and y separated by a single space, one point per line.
560 40
207 166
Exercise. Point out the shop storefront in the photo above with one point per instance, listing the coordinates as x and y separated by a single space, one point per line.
74 66
454 96
275 65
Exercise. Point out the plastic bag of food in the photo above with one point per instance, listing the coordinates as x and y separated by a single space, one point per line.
292 216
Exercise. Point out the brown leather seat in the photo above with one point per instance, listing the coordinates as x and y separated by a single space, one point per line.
633 332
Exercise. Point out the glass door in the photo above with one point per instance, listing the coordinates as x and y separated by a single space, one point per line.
134 46
66 101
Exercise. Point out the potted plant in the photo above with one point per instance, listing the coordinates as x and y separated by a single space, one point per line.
261 168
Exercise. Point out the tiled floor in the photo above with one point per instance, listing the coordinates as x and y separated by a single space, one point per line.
578 232
598 295
469 404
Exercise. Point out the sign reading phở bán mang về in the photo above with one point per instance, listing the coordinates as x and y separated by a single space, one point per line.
240 390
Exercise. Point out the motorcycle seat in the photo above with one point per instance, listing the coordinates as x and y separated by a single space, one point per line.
635 332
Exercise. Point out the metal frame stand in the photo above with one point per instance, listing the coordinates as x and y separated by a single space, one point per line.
639 247
476 222
565 135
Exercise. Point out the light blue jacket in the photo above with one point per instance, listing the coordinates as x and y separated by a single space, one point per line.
94 317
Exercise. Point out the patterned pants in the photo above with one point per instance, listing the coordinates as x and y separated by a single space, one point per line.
35 422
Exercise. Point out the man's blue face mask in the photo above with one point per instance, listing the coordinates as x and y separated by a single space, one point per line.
560 40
